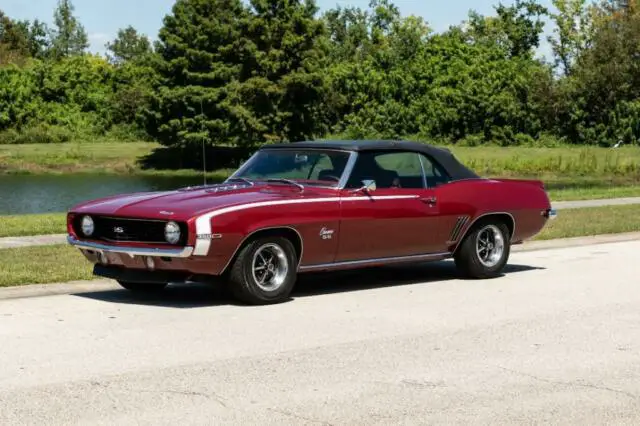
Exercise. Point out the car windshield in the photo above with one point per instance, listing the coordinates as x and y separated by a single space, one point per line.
319 167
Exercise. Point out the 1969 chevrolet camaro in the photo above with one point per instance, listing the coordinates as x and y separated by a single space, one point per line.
311 206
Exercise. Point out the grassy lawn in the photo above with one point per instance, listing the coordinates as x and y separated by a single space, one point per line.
38 265
111 157
552 163
41 265
592 221
571 164
594 193
33 224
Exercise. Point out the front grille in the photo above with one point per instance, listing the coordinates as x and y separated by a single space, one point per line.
116 229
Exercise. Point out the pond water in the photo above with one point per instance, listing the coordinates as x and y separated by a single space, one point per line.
50 194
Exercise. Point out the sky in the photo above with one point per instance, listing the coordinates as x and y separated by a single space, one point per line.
102 19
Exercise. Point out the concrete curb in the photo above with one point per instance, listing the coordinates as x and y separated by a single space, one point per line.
32 241
74 287
576 242
581 204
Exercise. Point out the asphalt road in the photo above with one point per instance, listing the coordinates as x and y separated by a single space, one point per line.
554 341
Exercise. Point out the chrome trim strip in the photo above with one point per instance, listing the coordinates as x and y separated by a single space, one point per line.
266 229
480 217
424 173
364 262
348 169
131 251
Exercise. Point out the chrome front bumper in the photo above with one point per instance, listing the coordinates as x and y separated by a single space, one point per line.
131 251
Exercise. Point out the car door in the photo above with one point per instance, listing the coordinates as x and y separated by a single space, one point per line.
398 218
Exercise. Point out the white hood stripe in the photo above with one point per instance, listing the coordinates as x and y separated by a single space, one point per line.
203 222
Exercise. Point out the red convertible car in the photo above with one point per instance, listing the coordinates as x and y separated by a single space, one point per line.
311 206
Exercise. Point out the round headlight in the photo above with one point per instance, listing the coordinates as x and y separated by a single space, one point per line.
172 233
87 226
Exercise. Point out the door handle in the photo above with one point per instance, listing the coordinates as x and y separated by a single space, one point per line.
429 200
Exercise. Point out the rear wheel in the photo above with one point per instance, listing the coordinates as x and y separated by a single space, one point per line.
143 287
264 271
485 250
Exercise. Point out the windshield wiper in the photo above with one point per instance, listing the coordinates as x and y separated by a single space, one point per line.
289 181
241 179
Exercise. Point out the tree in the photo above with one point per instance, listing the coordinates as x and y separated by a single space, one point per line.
14 45
280 99
69 37
516 28
129 45
238 74
201 50
572 33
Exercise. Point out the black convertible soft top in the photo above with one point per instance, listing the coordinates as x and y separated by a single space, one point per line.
443 156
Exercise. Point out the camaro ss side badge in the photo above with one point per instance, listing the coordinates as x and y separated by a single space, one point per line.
208 236
326 234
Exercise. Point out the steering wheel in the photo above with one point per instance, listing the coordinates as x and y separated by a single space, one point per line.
331 177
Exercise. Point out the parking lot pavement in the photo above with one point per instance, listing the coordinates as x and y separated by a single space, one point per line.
554 341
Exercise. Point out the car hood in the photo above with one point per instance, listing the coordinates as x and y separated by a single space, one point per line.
187 203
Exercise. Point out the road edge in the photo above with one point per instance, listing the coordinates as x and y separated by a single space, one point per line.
75 287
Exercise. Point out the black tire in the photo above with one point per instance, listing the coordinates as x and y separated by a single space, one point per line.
143 287
469 262
247 289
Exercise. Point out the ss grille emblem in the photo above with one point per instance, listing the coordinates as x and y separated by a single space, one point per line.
118 230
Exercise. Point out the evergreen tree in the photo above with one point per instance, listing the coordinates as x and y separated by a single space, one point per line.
201 51
69 37
129 45
238 74
286 83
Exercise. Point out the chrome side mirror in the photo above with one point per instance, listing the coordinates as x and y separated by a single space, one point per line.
368 185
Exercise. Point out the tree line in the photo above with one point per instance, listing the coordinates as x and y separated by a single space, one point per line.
246 73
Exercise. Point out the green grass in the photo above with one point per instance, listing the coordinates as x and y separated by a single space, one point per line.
103 157
108 156
552 163
594 193
32 224
592 221
42 265
60 263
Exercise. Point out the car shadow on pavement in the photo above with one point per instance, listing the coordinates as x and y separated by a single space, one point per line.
387 276
187 296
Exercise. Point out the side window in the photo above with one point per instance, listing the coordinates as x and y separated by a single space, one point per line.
434 172
321 167
388 169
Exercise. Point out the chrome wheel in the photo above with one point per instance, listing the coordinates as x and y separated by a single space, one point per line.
490 245
270 267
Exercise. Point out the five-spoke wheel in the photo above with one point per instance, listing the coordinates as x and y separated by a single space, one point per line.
490 245
485 249
264 271
270 267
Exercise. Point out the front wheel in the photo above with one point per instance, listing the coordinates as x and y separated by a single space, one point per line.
485 250
142 287
265 271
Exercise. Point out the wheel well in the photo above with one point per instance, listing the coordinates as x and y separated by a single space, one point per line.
288 233
505 218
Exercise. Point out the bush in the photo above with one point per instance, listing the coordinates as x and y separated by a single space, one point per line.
42 133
